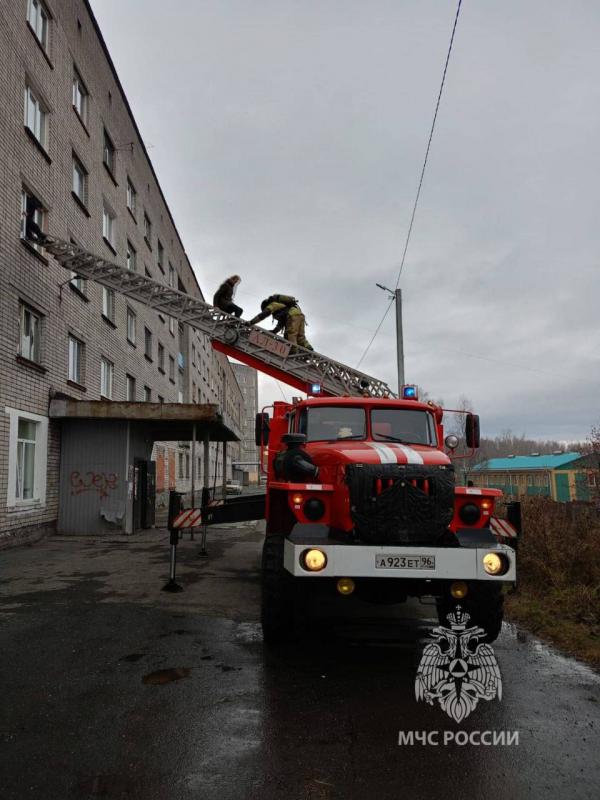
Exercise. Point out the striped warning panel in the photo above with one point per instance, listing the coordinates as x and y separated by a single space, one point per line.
188 518
502 528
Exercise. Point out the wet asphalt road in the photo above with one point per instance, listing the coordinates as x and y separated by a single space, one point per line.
87 711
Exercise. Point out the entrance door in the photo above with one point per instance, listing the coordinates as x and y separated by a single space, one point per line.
563 493
144 496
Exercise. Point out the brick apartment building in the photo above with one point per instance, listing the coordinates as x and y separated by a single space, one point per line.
249 452
68 139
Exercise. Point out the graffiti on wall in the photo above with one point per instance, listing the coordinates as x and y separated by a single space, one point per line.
103 483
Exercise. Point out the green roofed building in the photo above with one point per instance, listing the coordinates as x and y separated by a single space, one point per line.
562 476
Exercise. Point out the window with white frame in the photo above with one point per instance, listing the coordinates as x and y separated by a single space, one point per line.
38 18
130 380
131 257
108 225
75 372
131 325
131 197
109 153
36 116
106 378
108 303
80 180
27 458
33 208
77 282
30 329
80 96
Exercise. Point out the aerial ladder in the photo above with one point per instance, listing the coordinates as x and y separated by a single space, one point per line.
305 370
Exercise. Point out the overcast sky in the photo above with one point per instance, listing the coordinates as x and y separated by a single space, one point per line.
288 137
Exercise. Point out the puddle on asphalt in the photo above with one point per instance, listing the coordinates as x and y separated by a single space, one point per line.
162 676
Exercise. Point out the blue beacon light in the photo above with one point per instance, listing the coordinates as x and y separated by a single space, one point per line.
409 392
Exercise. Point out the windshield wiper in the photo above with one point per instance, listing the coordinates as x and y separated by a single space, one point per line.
389 438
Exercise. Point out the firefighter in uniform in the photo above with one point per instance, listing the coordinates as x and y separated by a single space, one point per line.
288 316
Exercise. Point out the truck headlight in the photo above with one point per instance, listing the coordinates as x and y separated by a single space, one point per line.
313 560
495 563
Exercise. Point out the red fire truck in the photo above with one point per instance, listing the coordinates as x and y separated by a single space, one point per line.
373 512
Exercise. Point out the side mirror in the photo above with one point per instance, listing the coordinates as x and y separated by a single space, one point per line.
261 429
472 431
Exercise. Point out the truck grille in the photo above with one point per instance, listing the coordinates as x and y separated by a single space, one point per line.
400 504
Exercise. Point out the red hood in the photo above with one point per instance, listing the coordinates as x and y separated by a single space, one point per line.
352 452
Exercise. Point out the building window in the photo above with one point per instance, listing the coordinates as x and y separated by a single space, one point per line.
36 116
106 378
130 380
171 276
147 230
161 256
148 343
161 399
181 470
171 369
108 154
80 97
147 394
27 456
108 225
30 329
131 257
75 360
172 325
108 303
77 282
32 209
131 197
39 21
193 355
80 180
130 326
187 465
161 357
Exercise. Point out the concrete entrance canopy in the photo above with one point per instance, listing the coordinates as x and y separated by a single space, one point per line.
107 478
161 422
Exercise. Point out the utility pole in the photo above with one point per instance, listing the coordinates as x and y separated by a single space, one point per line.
397 295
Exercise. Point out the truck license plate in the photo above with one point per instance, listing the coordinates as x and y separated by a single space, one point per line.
393 561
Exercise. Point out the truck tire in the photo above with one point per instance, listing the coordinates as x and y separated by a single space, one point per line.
277 595
485 605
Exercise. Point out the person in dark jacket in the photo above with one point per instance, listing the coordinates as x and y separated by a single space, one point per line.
295 465
224 295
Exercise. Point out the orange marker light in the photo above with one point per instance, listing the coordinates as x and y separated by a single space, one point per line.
296 499
486 504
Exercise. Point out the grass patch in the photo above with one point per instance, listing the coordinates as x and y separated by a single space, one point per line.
558 596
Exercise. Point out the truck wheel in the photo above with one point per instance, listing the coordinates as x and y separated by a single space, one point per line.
277 600
486 607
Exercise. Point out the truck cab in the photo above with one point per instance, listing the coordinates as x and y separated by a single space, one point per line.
367 507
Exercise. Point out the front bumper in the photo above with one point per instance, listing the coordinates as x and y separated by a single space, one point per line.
358 560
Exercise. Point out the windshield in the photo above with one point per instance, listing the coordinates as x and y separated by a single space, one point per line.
403 425
329 423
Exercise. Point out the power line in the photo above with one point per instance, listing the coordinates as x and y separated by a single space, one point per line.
377 329
437 108
420 186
